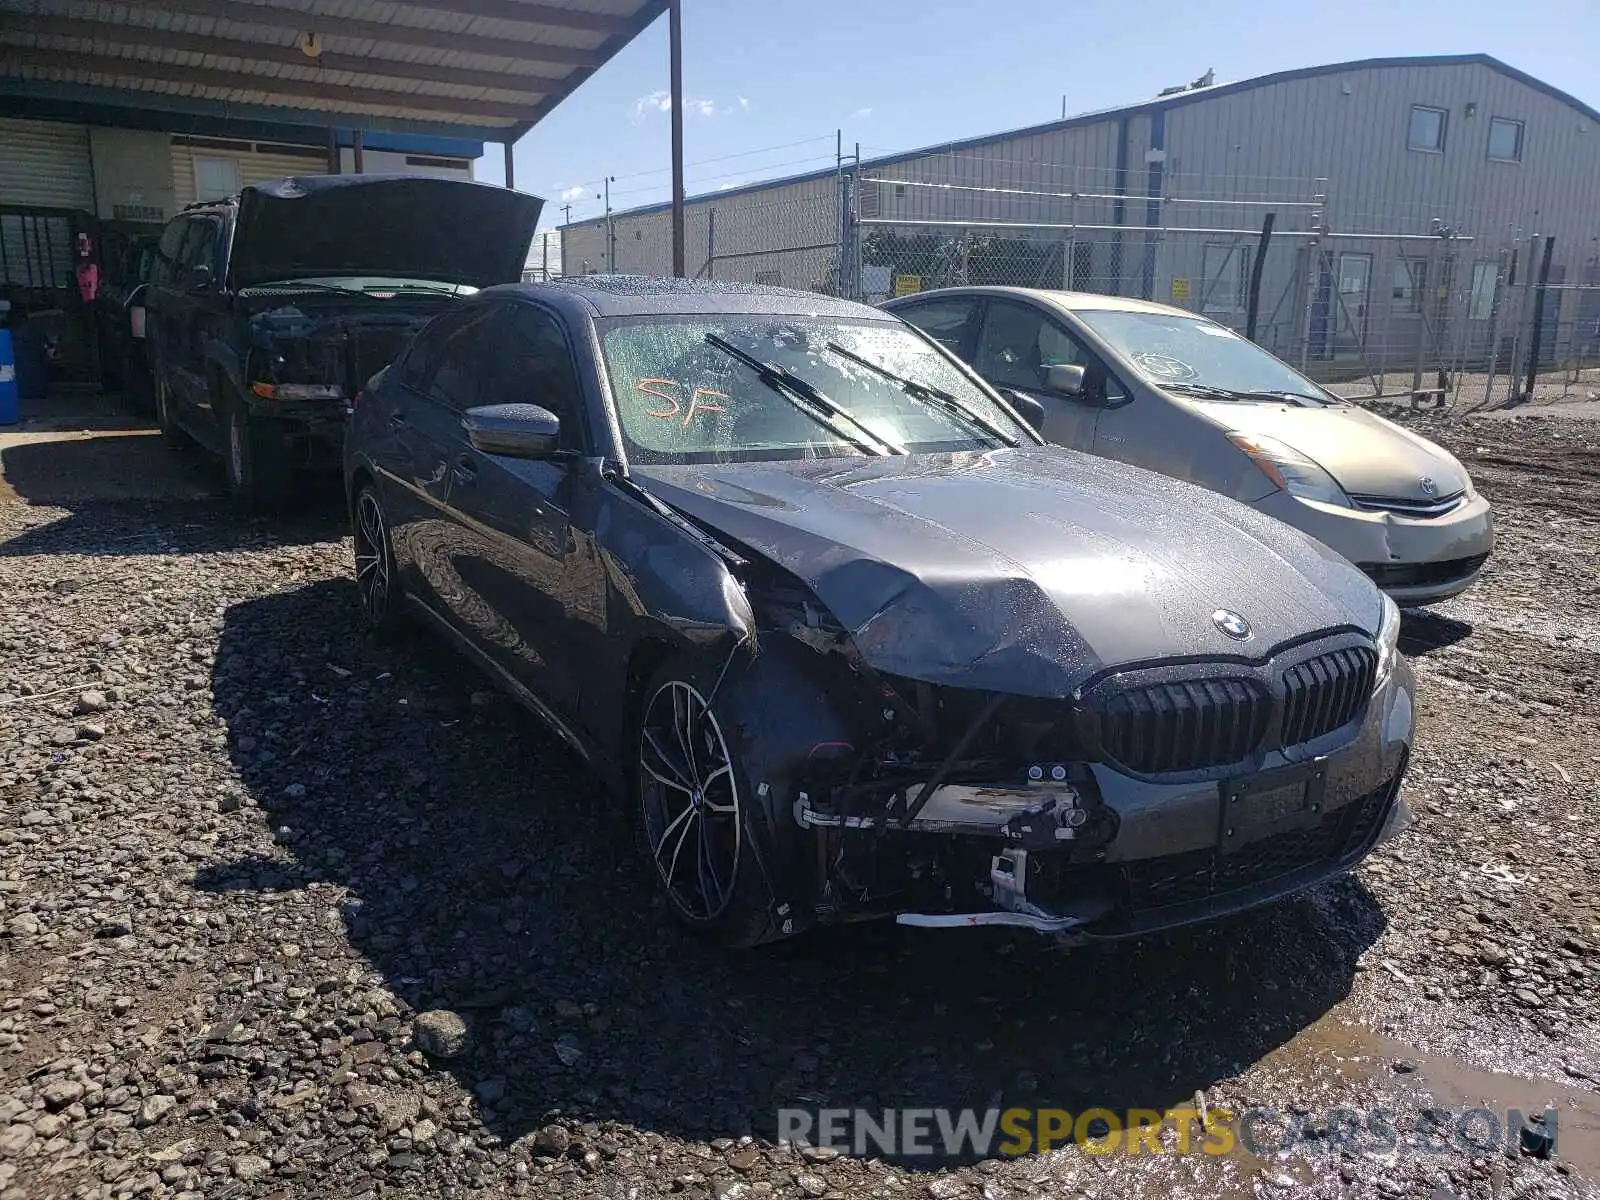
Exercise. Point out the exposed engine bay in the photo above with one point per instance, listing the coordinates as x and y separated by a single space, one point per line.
335 341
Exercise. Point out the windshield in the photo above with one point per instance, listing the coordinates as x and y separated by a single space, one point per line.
1193 356
698 389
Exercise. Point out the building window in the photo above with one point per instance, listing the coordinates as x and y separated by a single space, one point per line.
1481 303
1410 276
215 178
1505 139
1224 278
1427 129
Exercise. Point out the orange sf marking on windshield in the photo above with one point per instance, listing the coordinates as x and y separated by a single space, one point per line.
696 407
649 388
654 387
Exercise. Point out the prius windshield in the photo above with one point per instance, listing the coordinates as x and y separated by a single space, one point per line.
755 387
1196 357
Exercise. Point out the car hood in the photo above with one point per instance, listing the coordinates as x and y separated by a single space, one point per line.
1025 571
407 226
1368 455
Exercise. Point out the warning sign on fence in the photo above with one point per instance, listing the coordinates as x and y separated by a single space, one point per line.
1180 289
906 285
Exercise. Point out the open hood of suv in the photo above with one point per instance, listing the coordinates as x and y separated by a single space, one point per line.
406 226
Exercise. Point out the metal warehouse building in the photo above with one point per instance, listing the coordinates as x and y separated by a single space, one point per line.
1413 203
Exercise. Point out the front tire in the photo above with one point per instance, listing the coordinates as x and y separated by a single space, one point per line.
258 475
376 583
171 433
697 811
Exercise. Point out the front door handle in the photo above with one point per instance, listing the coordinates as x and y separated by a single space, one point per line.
465 470
396 419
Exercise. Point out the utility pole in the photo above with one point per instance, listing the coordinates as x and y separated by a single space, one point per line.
566 214
675 29
611 236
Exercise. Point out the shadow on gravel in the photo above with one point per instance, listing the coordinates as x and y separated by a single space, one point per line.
114 528
489 873
1423 631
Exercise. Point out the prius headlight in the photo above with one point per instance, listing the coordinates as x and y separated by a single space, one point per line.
1295 473
1388 642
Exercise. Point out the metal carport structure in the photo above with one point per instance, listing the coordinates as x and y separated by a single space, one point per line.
474 70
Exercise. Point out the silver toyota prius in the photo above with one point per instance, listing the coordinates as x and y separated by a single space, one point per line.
1181 394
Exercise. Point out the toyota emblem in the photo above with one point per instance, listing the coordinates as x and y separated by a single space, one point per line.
1428 486
1231 623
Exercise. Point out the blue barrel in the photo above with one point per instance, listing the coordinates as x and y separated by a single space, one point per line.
9 409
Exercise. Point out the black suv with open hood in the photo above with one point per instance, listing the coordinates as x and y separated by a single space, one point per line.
270 309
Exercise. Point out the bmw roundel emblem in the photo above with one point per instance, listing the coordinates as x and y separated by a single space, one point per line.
1231 623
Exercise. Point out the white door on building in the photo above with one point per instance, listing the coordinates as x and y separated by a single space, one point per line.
215 178
1350 317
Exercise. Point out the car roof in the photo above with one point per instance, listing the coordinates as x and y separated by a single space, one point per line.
1069 301
645 295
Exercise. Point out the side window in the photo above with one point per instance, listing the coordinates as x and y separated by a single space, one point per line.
417 361
1019 342
533 365
947 322
200 246
458 375
168 247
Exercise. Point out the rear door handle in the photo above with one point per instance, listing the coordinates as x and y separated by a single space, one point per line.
466 470
396 419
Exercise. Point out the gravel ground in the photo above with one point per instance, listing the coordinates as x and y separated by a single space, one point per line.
244 850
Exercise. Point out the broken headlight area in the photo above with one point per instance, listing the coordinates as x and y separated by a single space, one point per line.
321 356
961 807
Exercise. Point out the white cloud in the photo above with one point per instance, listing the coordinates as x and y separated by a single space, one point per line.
725 187
574 193
861 114
661 102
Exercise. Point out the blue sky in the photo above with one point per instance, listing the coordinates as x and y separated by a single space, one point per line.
767 84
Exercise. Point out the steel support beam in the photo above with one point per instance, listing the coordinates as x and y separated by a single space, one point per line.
675 51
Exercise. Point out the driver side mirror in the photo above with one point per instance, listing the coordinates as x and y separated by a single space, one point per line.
1065 379
514 430
199 277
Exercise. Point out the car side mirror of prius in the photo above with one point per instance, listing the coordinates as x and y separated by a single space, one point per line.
1065 379
514 430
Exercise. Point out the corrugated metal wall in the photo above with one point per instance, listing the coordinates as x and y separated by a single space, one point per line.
45 164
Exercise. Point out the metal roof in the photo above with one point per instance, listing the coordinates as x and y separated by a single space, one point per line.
482 69
1194 95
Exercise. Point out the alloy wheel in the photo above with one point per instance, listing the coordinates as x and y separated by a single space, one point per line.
690 801
372 558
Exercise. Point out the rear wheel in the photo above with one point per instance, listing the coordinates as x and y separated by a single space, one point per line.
697 812
376 585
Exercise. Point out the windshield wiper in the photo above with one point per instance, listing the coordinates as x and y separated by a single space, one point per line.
1201 389
1276 394
808 399
1211 391
303 285
928 394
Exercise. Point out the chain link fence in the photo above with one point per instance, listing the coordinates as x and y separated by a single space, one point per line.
1375 299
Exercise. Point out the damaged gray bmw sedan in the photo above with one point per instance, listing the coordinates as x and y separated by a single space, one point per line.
851 640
